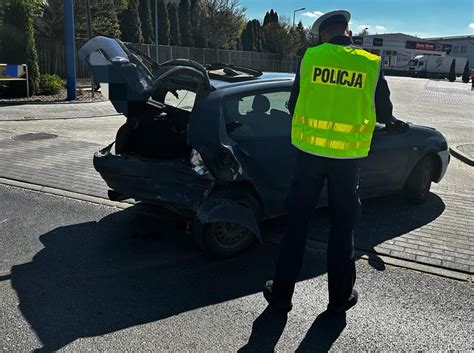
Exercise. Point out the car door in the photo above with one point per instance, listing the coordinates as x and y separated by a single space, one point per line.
384 169
260 123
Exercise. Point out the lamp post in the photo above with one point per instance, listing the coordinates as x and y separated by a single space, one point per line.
89 36
70 39
294 14
156 31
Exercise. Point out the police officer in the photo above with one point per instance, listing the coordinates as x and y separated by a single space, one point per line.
338 95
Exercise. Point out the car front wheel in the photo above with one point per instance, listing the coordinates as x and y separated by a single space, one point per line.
418 184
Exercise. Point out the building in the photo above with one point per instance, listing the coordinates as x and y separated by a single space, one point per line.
397 49
462 46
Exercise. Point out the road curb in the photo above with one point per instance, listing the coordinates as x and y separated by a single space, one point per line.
461 156
29 119
64 193
13 102
393 261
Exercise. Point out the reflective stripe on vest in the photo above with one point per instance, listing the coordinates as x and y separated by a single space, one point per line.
335 112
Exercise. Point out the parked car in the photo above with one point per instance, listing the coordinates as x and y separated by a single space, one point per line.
212 144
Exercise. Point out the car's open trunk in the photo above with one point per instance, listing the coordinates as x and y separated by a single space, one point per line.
158 131
150 95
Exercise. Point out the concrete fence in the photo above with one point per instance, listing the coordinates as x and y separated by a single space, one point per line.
51 57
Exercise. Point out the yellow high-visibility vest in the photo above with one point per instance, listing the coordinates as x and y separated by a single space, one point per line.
335 112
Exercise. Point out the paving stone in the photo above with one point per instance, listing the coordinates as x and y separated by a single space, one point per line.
428 260
417 252
455 266
441 257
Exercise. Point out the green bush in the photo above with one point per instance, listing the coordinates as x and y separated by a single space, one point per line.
50 84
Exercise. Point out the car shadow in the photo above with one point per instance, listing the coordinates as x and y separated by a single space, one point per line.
95 278
381 219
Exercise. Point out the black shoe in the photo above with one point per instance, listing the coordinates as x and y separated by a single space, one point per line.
280 302
346 306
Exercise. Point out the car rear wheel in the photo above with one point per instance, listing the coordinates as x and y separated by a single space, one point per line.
225 239
418 184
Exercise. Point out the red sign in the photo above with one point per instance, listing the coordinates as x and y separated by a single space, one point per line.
425 46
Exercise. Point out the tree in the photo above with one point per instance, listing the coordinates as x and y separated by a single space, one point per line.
301 35
163 24
144 8
248 37
130 23
49 21
105 19
18 41
184 16
198 26
270 17
225 19
282 39
258 35
175 36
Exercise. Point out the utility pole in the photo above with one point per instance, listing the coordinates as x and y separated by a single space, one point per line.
156 32
89 35
70 40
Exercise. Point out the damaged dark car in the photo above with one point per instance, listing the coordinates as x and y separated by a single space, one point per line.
212 144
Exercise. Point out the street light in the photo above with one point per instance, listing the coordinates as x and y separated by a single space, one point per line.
70 52
294 14
156 32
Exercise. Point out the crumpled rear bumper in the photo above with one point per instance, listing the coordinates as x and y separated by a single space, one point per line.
169 183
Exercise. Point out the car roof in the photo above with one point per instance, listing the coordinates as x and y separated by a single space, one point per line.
265 77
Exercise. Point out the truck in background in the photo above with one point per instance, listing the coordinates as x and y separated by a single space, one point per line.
462 69
441 67
429 66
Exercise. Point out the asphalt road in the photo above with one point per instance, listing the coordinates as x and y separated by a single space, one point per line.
76 276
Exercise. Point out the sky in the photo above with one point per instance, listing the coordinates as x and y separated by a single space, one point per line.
423 18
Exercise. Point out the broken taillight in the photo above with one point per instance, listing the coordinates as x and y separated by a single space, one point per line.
227 166
198 165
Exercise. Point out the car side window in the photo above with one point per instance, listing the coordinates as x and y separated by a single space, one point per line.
260 114
181 99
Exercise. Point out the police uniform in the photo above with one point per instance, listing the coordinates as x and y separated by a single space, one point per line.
338 95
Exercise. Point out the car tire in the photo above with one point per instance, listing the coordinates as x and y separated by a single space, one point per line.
225 239
418 185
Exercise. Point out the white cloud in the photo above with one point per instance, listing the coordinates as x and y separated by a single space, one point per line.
314 14
471 25
370 28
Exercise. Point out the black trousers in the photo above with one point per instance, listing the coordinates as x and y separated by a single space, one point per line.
342 177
